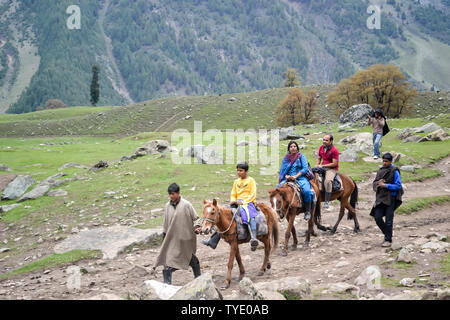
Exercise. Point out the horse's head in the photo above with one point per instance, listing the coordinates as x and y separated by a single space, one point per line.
210 214
278 201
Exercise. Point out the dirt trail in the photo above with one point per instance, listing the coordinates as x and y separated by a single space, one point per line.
318 263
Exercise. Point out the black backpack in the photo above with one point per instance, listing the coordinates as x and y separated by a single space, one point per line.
385 128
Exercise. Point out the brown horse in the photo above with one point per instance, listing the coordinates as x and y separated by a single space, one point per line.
348 197
223 219
285 202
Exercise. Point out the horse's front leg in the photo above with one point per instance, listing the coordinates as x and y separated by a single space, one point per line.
287 234
310 230
240 264
233 248
353 213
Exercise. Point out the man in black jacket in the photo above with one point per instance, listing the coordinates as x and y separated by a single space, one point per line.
389 191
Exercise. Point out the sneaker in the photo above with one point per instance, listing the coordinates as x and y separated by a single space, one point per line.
375 157
386 244
205 242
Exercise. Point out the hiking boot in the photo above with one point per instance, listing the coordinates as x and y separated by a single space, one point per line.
213 241
167 275
386 244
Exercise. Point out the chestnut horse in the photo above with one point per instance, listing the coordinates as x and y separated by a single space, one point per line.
223 219
287 204
348 197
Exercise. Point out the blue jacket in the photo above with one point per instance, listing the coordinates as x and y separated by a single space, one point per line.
397 183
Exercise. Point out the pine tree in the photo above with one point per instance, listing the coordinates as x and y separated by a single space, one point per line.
95 88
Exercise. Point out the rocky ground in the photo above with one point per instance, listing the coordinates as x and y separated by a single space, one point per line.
330 259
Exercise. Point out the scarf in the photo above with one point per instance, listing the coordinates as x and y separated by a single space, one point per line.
292 157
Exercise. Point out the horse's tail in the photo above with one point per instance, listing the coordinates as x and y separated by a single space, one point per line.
353 200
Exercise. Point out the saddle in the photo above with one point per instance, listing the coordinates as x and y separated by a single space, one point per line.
337 182
298 194
242 229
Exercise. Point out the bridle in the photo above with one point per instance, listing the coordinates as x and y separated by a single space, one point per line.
213 221
290 204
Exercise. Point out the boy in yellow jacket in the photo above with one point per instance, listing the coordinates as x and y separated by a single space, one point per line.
243 194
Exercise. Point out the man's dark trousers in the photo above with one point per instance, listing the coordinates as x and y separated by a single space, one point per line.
386 226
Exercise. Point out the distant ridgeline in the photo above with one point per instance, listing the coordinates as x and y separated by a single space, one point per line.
197 47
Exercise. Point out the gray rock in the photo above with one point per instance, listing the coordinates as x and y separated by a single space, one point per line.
359 142
4 167
412 139
355 113
39 191
6 208
17 187
110 240
405 133
2 250
404 256
74 165
153 147
57 193
292 286
407 282
438 135
205 154
248 291
342 287
429 127
370 277
349 155
408 168
155 290
201 288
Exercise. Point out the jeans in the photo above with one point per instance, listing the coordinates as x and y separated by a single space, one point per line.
376 143
305 185
386 226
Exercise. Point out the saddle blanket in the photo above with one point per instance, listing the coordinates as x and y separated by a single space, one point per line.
242 229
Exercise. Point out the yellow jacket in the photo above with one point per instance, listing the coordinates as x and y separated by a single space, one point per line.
244 190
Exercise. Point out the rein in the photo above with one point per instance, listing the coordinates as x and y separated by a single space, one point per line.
213 221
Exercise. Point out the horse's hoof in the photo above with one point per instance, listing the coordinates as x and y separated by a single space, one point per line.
314 234
333 231
260 273
356 230
294 247
284 253
269 265
225 286
241 276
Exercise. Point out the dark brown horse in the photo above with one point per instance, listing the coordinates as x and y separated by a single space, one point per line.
223 219
287 204
348 197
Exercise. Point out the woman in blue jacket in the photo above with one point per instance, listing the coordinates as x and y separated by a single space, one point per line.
294 168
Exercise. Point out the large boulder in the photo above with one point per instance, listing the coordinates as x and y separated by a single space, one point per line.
438 135
17 187
356 113
37 192
201 288
153 147
288 134
205 154
429 127
349 156
359 142
4 167
7 208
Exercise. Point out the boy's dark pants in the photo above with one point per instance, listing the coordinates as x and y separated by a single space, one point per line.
194 264
386 226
